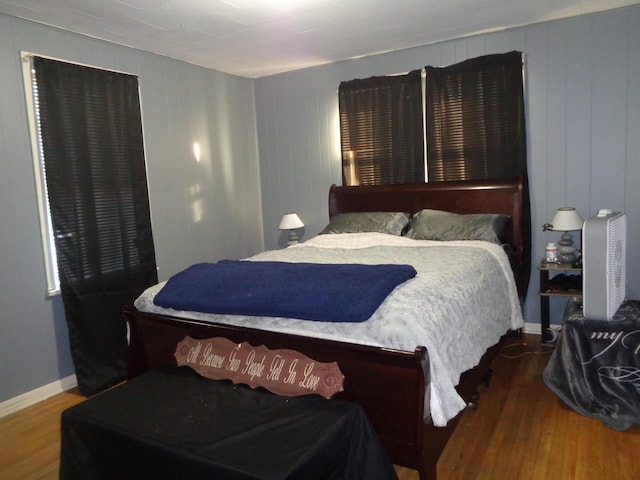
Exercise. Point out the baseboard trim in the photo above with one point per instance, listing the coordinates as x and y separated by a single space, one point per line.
534 328
39 394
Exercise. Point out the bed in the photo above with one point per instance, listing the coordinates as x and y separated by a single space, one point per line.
398 384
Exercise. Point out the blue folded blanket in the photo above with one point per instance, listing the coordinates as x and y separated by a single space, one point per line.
308 291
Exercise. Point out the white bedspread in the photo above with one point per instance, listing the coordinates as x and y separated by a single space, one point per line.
461 302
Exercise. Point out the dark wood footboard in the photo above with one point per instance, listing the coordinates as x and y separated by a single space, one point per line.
388 384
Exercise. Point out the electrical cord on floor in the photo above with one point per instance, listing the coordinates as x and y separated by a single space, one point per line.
524 346
555 333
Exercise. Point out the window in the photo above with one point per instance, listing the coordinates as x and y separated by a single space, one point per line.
474 124
89 166
381 130
475 119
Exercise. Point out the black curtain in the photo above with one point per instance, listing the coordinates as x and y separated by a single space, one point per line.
476 127
475 119
92 147
381 130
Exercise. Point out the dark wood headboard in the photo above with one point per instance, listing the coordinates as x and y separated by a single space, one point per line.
485 196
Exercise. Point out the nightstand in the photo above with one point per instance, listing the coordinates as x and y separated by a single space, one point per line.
565 281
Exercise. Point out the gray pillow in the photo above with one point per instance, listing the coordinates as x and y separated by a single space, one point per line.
383 222
446 226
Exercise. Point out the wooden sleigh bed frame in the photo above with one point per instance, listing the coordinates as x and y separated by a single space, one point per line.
388 384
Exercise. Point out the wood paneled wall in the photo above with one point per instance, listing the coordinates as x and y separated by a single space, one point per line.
582 93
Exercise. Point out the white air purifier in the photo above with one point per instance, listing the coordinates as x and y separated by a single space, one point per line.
603 264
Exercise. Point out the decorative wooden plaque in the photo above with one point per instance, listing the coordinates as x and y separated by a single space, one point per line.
283 372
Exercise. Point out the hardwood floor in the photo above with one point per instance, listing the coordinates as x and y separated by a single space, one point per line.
30 439
520 431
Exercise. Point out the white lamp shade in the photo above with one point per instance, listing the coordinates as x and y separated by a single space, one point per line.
290 221
567 219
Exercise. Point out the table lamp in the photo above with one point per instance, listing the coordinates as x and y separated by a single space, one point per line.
566 219
291 221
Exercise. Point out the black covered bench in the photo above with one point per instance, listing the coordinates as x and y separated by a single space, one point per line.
174 424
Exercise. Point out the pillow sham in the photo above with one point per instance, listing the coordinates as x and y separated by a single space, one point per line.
383 222
447 226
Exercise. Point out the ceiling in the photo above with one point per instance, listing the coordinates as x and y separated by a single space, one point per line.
254 38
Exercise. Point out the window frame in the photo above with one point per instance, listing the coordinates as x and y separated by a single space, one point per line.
46 228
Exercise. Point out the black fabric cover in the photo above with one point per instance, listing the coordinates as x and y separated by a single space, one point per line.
174 424
595 367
